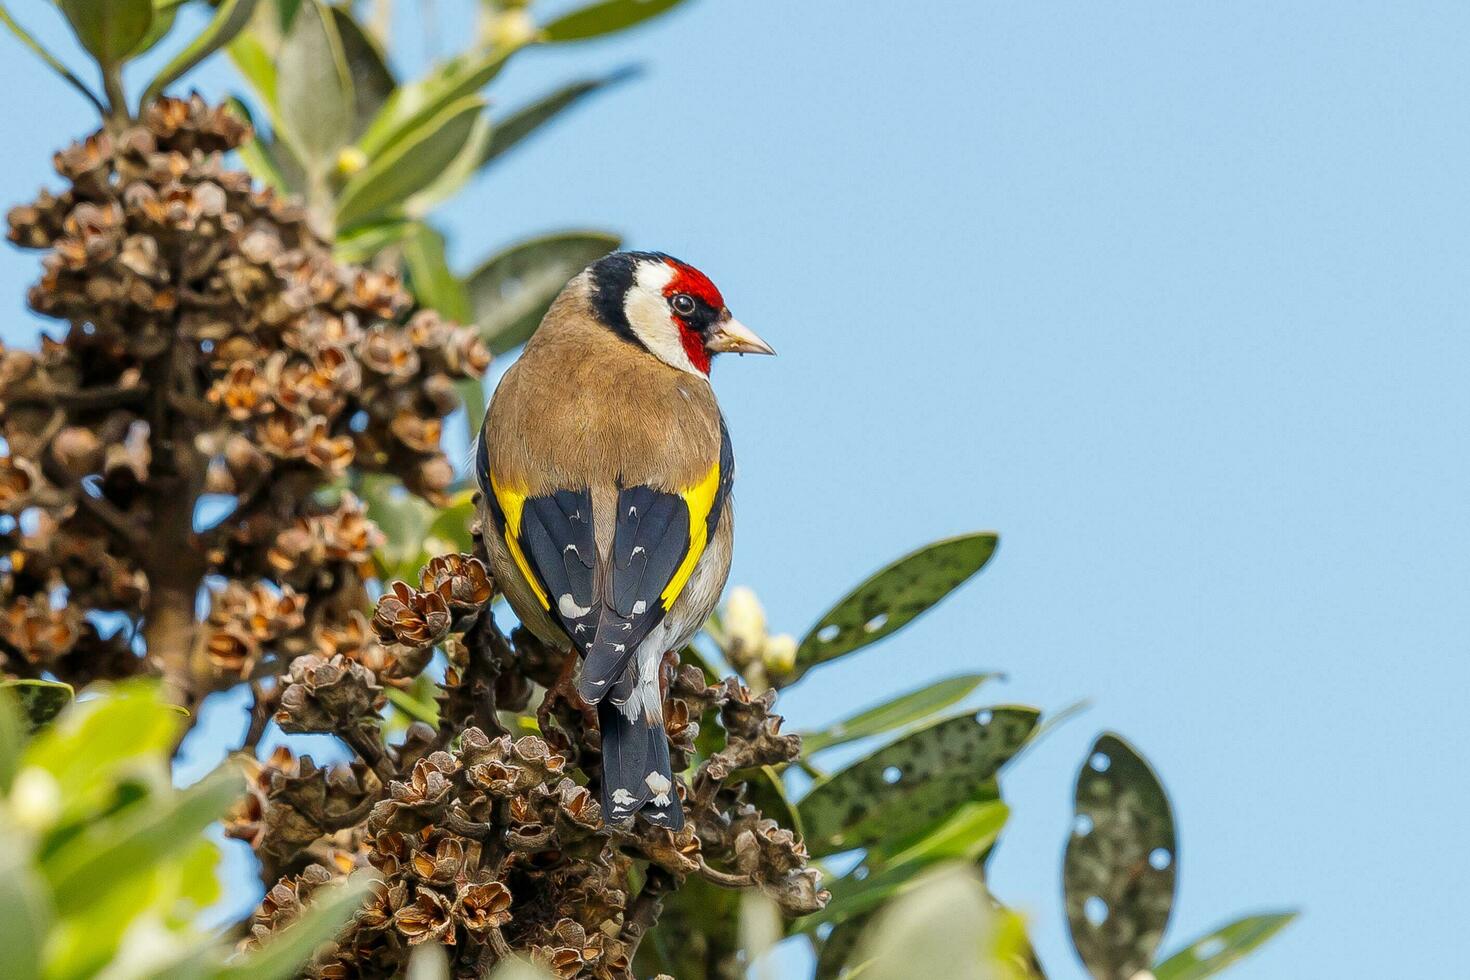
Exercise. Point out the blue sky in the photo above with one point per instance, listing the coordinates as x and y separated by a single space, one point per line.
1173 296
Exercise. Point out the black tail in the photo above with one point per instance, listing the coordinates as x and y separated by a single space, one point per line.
636 775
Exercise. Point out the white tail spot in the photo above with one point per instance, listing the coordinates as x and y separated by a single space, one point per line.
569 608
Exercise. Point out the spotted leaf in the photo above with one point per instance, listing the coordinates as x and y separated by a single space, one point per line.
511 291
1119 869
910 785
39 701
894 597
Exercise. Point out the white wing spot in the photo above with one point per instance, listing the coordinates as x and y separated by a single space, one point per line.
639 607
623 798
573 549
632 511
620 647
637 550
660 785
569 608
600 683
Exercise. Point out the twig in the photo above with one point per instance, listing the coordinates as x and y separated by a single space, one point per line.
722 878
372 752
643 915
464 827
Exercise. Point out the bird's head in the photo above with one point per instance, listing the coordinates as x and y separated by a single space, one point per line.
669 308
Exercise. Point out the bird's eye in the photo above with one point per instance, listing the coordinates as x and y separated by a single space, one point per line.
683 304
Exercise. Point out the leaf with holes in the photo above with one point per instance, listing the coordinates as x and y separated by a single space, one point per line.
1119 869
903 710
39 701
511 291
894 597
606 17
1210 954
909 785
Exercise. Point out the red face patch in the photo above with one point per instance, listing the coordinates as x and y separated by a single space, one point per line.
688 279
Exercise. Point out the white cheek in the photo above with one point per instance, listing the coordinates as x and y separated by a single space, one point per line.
648 314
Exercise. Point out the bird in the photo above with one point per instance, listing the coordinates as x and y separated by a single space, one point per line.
605 469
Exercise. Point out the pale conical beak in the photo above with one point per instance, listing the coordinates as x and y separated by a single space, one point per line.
734 337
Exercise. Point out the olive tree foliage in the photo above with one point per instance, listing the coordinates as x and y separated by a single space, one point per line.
228 472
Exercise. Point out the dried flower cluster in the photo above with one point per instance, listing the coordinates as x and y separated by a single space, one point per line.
212 346
215 348
490 843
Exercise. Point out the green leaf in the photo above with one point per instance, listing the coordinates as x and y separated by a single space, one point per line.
902 711
360 243
941 928
430 278
281 958
258 155
607 17
12 739
1208 955
457 174
413 105
909 785
372 79
25 914
257 65
428 962
450 531
424 711
409 165
95 742
1119 869
51 60
163 22
834 951
403 518
314 89
522 123
510 292
894 597
230 18
965 835
968 832
109 29
765 791
81 869
40 701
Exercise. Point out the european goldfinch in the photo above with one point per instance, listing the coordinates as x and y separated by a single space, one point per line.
605 470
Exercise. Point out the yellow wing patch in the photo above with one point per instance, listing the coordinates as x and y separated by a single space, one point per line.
699 499
512 502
